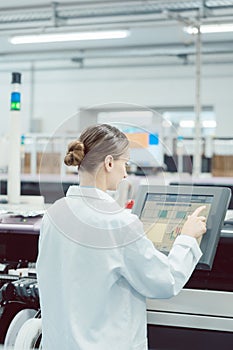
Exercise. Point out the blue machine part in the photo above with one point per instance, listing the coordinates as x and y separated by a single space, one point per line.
153 139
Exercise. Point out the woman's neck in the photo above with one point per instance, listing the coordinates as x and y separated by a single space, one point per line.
92 180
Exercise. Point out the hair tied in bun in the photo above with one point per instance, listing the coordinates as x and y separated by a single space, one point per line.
75 153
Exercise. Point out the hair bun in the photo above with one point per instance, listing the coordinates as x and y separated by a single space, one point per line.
75 153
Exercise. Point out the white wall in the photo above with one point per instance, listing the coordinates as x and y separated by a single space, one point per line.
60 94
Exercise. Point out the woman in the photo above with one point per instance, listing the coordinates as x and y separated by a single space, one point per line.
95 265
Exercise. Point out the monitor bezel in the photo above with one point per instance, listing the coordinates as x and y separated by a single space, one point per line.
207 184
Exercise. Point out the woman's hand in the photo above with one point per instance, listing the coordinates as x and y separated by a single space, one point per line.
195 226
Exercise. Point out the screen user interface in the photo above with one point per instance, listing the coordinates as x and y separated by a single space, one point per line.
163 216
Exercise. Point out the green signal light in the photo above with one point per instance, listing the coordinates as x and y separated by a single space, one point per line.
15 106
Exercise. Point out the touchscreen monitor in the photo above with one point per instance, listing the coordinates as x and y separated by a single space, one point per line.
164 209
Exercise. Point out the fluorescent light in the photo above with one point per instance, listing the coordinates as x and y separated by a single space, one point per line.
209 124
217 28
186 123
210 28
58 37
204 124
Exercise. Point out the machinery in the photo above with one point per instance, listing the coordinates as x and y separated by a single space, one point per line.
20 324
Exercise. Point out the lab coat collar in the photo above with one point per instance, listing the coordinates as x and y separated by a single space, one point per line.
90 192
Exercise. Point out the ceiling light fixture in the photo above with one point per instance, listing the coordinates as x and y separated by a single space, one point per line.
59 37
209 124
210 28
187 123
204 124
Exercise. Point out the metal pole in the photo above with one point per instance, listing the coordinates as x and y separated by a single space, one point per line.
197 147
32 97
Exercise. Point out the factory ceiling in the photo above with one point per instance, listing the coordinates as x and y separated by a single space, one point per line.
156 32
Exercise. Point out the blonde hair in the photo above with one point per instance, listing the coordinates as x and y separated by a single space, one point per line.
94 144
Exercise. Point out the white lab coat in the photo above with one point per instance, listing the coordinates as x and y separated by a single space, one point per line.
95 269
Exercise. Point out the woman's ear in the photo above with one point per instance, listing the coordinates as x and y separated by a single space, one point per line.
108 163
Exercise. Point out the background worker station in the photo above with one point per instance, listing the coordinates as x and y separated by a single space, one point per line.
161 72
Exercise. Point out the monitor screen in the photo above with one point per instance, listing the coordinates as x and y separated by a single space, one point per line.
164 209
163 216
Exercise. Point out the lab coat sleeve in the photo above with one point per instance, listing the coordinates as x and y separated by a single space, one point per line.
155 275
